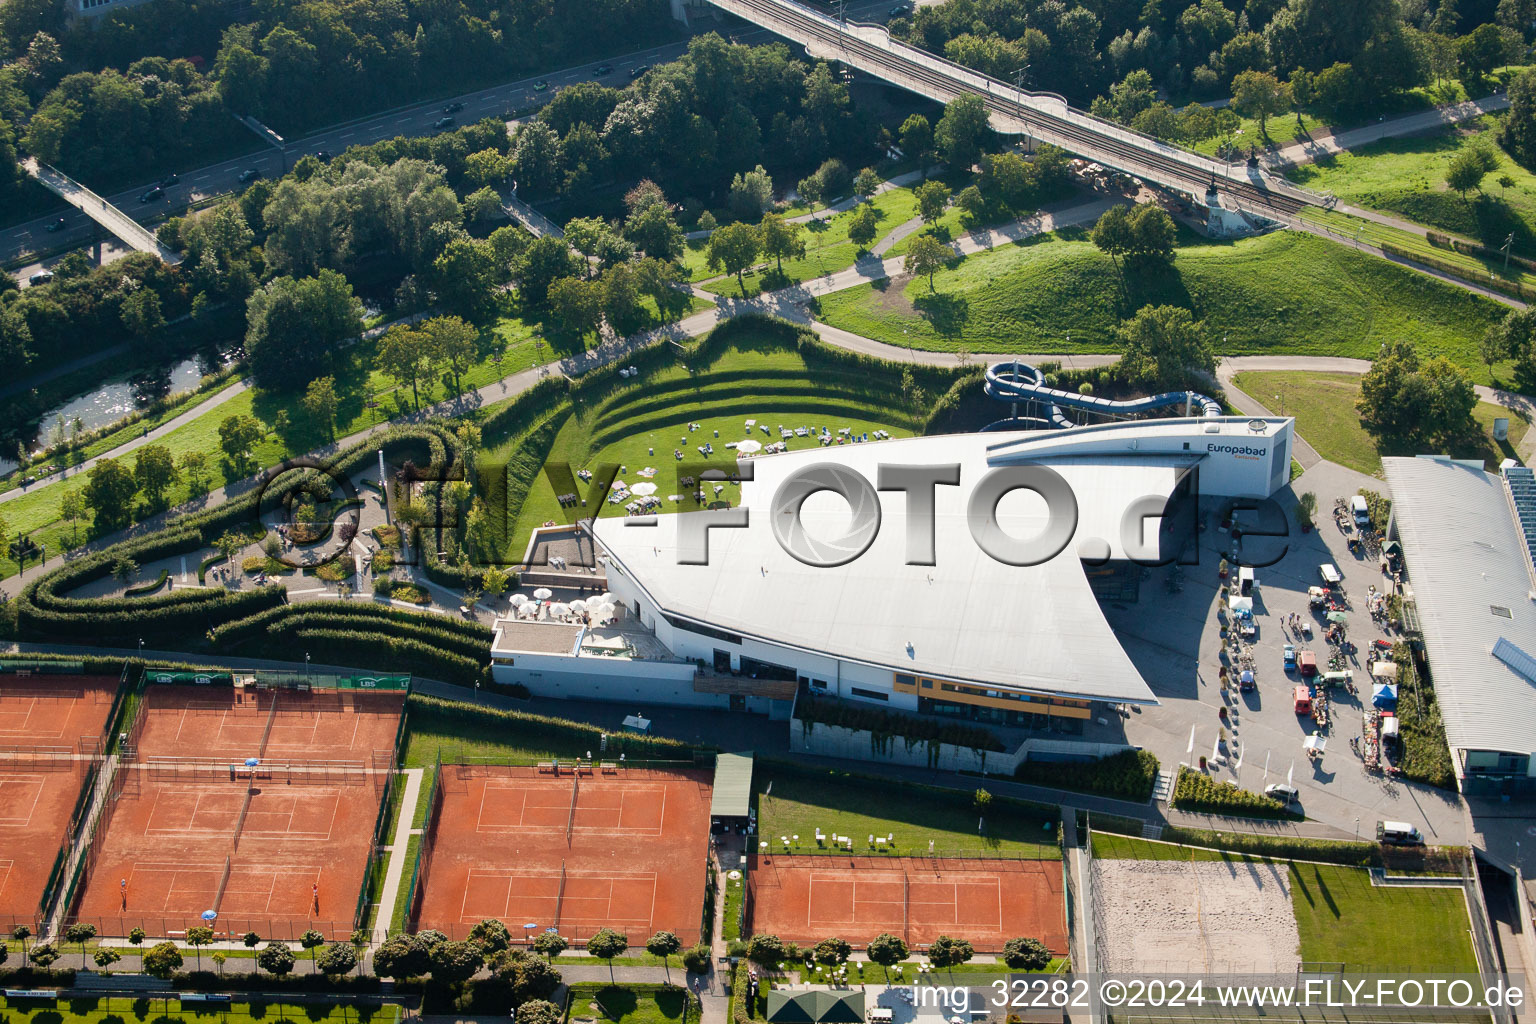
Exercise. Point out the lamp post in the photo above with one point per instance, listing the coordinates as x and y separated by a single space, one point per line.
1018 83
306 664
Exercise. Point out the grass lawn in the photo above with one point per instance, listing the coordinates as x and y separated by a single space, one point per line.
1324 407
1406 176
167 1009
632 1004
827 248
1114 846
640 425
792 803
735 888
1282 293
1343 918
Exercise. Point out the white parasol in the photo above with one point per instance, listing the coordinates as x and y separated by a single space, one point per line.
578 606
645 489
749 446
543 594
518 600
559 610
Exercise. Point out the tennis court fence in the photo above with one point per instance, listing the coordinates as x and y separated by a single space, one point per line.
423 865
309 773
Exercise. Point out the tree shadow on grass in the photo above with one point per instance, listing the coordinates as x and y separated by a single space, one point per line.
947 314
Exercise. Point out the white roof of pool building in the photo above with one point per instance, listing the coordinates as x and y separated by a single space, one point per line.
968 617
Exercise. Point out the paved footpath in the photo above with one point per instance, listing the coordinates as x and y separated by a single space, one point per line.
1308 150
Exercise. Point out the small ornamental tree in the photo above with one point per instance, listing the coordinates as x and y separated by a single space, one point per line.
105 957
400 956
312 940
887 950
605 945
339 958
162 960
832 951
455 962
21 933
1026 954
251 940
664 944
276 959
198 937
947 952
551 944
491 936
218 957
538 1011
80 933
766 950
136 936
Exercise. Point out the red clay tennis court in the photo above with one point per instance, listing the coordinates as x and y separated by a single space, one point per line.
50 734
986 902
623 849
277 848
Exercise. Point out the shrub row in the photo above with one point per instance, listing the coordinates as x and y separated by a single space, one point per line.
1197 792
148 587
240 981
459 636
912 728
384 652
1128 775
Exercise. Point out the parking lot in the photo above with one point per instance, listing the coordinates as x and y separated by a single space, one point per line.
1264 734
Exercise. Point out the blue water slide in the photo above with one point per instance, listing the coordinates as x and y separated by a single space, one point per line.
1022 384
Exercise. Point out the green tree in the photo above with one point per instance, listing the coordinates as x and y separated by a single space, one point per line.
1152 233
320 403
654 230
401 956
767 950
551 944
1112 235
832 951
452 344
218 957
575 306
751 193
109 493
162 960
238 434
276 959
1466 171
538 1011
1163 345
154 471
466 275
605 944
917 139
44 955
1302 92
1518 134
491 935
981 800
664 944
545 261
80 933
312 940
932 198
141 314
1024 954
948 952
925 257
887 950
734 248
21 933
71 509
1260 94
194 469
1405 400
295 327
199 936
136 935
780 238
962 130
403 355
863 226
105 957
866 183
338 959
454 962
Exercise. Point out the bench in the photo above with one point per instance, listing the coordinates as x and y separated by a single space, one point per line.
550 766
243 771
216 998
610 768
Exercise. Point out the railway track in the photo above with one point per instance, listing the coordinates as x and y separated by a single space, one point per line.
1073 130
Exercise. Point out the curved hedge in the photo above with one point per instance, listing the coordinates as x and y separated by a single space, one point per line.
45 611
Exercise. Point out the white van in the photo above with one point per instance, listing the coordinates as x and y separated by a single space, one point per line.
1398 833
1361 510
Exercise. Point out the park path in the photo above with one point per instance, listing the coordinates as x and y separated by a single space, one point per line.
401 839
1332 142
